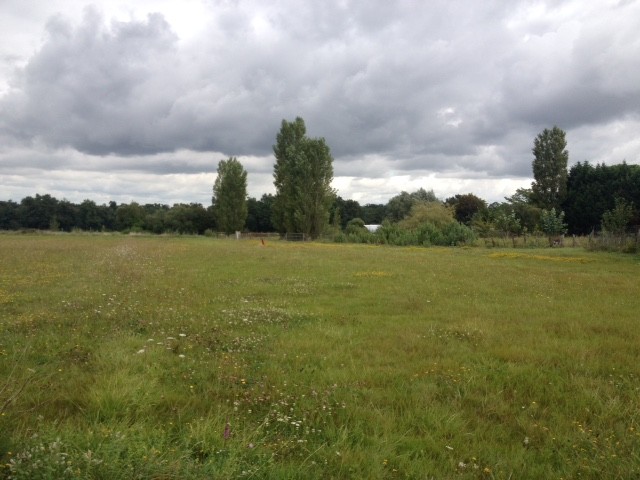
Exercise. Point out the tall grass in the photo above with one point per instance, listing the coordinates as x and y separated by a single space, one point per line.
146 357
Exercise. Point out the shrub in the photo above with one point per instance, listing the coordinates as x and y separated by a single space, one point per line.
458 234
426 233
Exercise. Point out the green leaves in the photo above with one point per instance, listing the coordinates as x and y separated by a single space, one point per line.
552 223
302 176
616 220
230 195
550 168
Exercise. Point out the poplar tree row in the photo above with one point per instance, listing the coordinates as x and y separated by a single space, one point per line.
302 176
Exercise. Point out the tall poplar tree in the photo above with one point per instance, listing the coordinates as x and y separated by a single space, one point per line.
550 169
302 176
230 196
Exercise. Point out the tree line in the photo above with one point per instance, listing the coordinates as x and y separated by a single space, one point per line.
583 199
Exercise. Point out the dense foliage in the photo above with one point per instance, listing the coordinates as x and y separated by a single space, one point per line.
552 222
230 196
592 190
466 206
428 223
259 214
44 212
302 176
550 168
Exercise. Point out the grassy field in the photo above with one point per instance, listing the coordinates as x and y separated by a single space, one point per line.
128 357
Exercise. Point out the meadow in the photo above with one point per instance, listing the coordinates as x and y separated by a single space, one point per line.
141 357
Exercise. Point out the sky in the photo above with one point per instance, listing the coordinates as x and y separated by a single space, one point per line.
139 101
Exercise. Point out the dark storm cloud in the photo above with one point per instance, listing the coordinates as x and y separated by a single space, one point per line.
364 78
88 87
124 88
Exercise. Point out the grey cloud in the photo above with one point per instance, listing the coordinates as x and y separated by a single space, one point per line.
128 90
395 87
89 87
576 78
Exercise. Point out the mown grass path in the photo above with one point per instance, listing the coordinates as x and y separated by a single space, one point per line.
176 357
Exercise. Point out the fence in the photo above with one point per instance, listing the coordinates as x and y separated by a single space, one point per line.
259 235
291 237
608 241
295 237
594 241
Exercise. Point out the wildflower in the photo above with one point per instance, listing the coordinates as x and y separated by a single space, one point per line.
141 351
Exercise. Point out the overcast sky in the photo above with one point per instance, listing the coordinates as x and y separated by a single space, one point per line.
139 101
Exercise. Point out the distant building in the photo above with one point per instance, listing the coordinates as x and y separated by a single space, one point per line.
372 228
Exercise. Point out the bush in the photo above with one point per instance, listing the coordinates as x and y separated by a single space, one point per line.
428 234
458 234
425 234
361 236
355 224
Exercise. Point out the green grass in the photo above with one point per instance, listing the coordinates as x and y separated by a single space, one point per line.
126 357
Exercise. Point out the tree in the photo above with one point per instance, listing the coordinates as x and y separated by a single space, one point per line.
302 176
156 221
355 225
66 215
130 216
592 190
466 206
399 207
373 213
521 204
436 213
89 216
552 223
230 195
259 217
9 215
345 210
508 223
421 195
615 221
38 212
550 168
